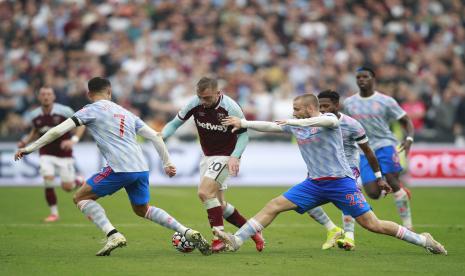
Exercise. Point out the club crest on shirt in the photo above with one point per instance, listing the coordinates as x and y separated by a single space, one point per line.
220 116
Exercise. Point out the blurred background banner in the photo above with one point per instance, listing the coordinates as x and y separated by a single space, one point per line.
263 164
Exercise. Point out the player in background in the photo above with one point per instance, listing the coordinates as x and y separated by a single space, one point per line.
375 111
330 178
353 134
221 149
114 129
57 157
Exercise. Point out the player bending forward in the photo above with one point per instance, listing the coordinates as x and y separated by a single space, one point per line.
353 134
330 179
114 130
221 149
56 157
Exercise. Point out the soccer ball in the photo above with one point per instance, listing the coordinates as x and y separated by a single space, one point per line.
181 244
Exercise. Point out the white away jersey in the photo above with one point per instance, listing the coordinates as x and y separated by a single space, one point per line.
375 113
114 130
352 134
322 150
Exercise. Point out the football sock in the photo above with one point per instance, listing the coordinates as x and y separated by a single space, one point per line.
161 217
232 215
215 213
411 237
51 198
96 214
403 207
349 226
321 217
248 230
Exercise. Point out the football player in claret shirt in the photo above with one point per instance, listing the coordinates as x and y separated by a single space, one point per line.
222 151
57 157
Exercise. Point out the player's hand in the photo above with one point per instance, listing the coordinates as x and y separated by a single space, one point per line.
20 153
383 185
67 144
281 122
235 122
405 146
233 165
170 170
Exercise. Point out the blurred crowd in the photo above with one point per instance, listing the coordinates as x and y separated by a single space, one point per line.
265 52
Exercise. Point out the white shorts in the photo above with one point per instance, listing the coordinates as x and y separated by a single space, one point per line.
62 166
216 168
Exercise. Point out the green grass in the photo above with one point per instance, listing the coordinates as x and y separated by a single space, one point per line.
31 247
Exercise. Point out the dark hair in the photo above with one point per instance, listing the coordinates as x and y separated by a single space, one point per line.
368 69
329 94
97 84
206 82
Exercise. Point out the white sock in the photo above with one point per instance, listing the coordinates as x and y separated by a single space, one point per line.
161 217
248 230
96 214
411 237
349 226
54 210
319 215
403 207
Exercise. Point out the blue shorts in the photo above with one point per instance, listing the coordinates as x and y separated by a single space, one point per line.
342 192
388 160
108 182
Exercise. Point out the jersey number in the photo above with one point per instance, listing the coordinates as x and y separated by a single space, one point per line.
216 166
121 123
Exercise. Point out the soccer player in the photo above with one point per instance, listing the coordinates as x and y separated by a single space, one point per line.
114 130
57 157
221 149
353 134
375 111
330 178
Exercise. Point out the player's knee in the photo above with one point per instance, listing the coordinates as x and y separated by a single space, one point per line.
140 210
373 194
67 186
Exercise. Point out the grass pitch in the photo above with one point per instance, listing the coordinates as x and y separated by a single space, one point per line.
30 247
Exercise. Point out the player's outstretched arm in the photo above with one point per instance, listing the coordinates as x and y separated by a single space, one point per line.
320 121
171 127
373 161
157 141
238 123
47 138
68 144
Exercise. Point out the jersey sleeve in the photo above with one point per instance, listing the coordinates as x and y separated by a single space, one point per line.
138 123
187 111
235 110
86 115
394 111
287 128
359 133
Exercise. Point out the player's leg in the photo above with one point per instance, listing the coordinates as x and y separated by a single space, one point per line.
370 222
211 168
369 179
139 195
333 232
232 215
256 224
99 185
300 198
390 166
67 173
47 170
348 241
